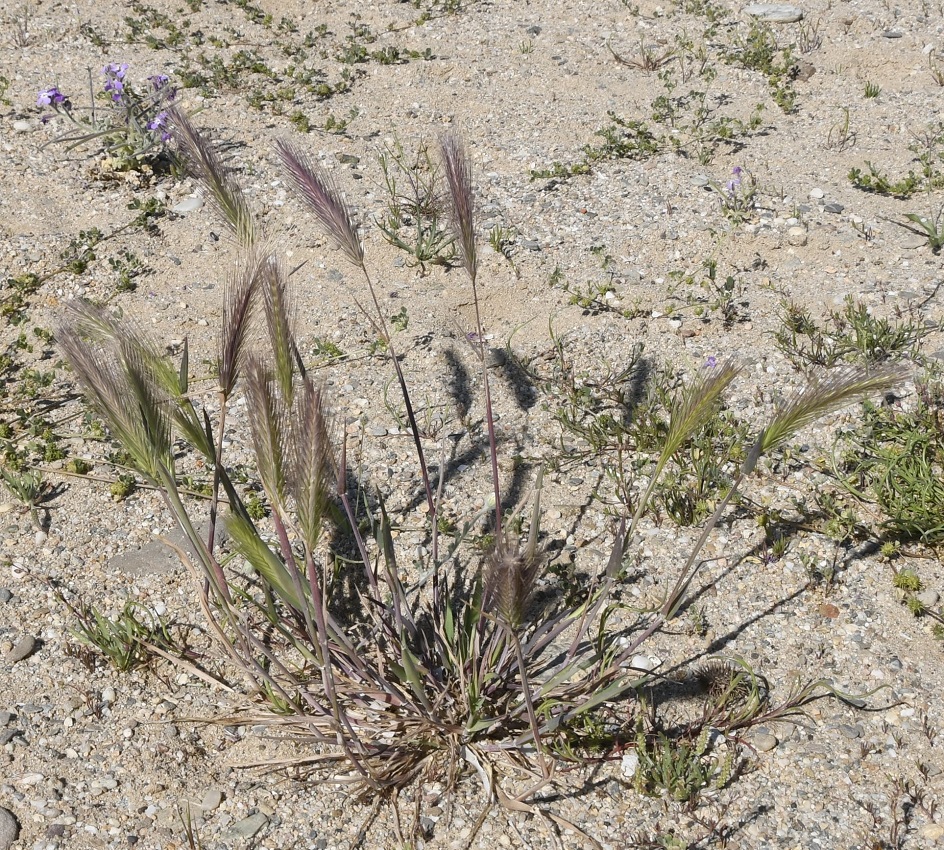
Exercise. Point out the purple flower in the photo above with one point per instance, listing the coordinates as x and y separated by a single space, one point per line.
158 81
52 97
711 362
115 71
159 122
114 79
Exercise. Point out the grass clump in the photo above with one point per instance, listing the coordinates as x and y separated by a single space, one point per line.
466 669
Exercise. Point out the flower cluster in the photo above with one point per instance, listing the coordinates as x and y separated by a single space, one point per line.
115 79
137 122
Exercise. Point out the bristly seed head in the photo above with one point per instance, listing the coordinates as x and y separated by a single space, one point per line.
204 164
324 200
459 179
509 582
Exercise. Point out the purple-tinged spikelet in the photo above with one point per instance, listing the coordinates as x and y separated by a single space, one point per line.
324 200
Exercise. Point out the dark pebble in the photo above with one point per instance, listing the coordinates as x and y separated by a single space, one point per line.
55 830
5 595
892 34
834 208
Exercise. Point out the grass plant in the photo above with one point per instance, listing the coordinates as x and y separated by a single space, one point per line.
467 670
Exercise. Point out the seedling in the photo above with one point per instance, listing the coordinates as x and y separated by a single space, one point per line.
128 640
647 60
840 136
852 334
933 228
413 221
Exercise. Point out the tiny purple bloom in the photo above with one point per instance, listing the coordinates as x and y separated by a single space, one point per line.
157 121
158 81
711 362
52 97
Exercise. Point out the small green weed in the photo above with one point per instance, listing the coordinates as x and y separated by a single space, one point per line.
127 641
928 148
123 487
705 294
759 51
932 228
413 221
840 136
622 139
894 458
738 196
849 335
872 90
327 350
26 486
681 769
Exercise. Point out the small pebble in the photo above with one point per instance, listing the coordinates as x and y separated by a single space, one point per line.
23 648
211 800
775 13
645 662
834 208
248 827
931 832
764 742
5 595
9 829
22 126
797 236
817 193
629 764
188 205
928 598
